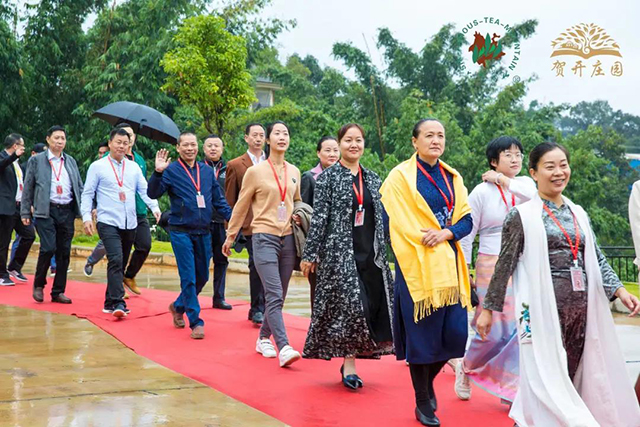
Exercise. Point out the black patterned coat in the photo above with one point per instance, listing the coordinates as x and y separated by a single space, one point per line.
338 324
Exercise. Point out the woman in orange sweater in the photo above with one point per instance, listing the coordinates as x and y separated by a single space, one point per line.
270 189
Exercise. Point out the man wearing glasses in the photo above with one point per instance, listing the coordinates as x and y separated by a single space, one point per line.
11 186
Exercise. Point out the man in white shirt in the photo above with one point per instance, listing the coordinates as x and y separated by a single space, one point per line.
114 181
52 189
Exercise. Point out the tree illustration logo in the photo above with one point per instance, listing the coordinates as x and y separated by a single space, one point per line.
486 49
585 40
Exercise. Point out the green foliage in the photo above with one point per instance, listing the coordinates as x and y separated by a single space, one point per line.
206 69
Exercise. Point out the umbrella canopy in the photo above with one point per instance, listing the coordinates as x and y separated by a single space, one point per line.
144 120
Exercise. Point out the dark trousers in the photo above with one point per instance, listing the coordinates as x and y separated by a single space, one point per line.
255 284
56 233
193 255
220 262
27 235
118 244
142 247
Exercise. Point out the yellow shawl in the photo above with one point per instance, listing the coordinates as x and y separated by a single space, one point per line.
433 277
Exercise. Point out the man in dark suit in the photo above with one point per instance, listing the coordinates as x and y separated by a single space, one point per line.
213 148
254 135
53 188
11 187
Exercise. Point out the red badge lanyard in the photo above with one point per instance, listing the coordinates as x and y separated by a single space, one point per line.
574 248
121 180
217 170
504 199
359 194
59 174
283 192
448 202
195 184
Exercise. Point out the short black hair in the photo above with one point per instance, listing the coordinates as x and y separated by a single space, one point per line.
118 131
416 127
213 135
247 129
270 127
184 134
542 149
56 128
39 147
103 144
500 144
12 139
323 139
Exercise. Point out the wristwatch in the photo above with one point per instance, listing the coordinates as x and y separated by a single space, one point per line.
498 178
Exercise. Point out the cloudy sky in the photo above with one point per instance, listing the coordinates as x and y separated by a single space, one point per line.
321 23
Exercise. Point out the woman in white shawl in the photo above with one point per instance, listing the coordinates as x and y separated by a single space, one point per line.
572 371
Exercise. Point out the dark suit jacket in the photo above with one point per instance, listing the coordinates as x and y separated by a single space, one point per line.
8 183
236 169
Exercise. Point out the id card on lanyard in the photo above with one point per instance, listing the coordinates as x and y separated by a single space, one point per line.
359 220
196 183
57 175
447 200
577 274
282 208
122 195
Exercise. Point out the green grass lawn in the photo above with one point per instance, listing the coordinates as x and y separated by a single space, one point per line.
633 288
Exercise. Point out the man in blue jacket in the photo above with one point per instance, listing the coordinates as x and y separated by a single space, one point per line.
193 192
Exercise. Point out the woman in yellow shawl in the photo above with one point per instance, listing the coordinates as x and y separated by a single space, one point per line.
426 202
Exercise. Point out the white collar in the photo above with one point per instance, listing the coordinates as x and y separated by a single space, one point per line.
255 159
51 156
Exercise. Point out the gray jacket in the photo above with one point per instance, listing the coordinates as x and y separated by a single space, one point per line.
37 185
300 231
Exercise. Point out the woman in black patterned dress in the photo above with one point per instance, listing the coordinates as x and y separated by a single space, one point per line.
351 315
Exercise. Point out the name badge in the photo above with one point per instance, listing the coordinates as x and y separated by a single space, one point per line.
577 279
123 196
282 213
359 221
200 201
59 189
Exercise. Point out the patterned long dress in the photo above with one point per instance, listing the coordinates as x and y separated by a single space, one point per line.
354 294
572 305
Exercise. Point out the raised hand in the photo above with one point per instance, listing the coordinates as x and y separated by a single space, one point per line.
162 160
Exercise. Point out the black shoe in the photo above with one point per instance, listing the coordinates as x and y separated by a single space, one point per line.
38 294
427 420
257 318
434 403
352 382
18 275
61 298
222 305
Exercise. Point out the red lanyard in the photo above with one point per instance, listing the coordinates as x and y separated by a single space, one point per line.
283 192
448 202
574 248
217 170
197 185
359 194
119 181
59 174
504 199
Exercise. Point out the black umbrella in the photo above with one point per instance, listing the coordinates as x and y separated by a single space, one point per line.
144 120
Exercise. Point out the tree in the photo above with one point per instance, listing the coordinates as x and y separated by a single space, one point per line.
207 70
12 66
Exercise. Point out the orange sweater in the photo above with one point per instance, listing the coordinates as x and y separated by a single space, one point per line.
260 192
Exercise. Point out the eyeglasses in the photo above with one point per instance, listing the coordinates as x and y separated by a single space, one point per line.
511 156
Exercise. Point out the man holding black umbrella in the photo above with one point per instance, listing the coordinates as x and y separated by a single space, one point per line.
194 193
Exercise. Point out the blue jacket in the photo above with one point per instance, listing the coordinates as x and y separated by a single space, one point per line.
185 214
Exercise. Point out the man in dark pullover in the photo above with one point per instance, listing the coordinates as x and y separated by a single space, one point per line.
194 193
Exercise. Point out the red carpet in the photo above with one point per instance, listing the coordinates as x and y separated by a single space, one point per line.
307 394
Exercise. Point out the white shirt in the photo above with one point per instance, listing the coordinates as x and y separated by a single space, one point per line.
19 180
488 211
102 184
57 165
255 160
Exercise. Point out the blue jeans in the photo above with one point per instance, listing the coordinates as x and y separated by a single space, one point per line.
193 255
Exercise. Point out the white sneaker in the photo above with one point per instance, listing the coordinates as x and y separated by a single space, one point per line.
452 363
462 386
287 356
265 348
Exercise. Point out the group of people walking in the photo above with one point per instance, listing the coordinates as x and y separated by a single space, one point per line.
545 342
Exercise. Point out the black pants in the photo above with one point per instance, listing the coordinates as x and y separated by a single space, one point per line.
255 284
220 262
8 223
118 244
142 245
56 233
